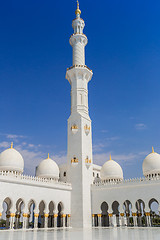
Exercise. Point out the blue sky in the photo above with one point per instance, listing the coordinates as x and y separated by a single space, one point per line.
124 53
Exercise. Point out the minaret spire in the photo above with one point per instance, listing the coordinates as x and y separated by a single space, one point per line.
78 11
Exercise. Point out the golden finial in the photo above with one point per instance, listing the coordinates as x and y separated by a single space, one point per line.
11 145
152 149
110 158
48 155
78 11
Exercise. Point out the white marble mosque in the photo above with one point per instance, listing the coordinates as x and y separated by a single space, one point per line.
77 193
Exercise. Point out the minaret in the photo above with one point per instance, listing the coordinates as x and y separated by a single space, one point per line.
79 165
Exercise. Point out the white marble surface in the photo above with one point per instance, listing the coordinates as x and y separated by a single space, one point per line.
87 234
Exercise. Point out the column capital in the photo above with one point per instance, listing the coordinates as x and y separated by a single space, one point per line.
122 214
46 215
36 214
134 214
12 214
99 215
110 214
55 215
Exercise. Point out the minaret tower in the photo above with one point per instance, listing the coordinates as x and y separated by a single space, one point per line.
79 165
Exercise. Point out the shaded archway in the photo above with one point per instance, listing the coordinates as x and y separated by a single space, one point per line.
31 207
7 204
105 217
154 213
41 214
19 213
128 212
60 213
115 208
140 206
51 214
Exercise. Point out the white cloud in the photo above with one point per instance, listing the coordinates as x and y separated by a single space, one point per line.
98 147
140 126
4 144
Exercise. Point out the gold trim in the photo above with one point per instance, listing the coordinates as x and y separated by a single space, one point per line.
36 215
46 215
55 215
122 214
69 215
11 145
74 160
152 149
134 214
0 214
93 215
12 214
99 215
78 11
74 127
147 214
110 214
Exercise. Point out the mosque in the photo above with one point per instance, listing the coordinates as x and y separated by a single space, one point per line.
77 193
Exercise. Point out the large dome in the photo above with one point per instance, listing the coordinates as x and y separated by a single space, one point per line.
11 160
111 170
151 164
47 169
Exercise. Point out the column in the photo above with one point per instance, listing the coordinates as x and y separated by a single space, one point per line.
63 220
139 219
134 219
7 220
46 215
127 216
99 220
68 216
148 219
93 223
12 218
36 215
25 219
121 219
17 217
110 219
55 220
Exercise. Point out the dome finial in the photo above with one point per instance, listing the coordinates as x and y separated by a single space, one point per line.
78 11
48 155
152 149
11 145
110 158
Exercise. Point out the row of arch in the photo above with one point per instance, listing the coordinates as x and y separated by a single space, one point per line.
128 214
33 215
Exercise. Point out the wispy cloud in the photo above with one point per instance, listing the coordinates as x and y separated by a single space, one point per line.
99 147
140 126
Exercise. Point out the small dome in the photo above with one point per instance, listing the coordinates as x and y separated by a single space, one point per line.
11 160
151 164
111 170
47 169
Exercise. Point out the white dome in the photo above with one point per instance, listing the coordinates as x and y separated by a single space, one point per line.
151 164
11 160
111 170
47 169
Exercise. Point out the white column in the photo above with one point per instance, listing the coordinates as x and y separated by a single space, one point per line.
55 220
99 220
12 218
69 220
25 219
110 219
148 219
36 215
134 219
46 215
121 219
63 220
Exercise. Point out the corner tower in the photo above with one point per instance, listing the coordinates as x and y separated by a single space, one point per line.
79 153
